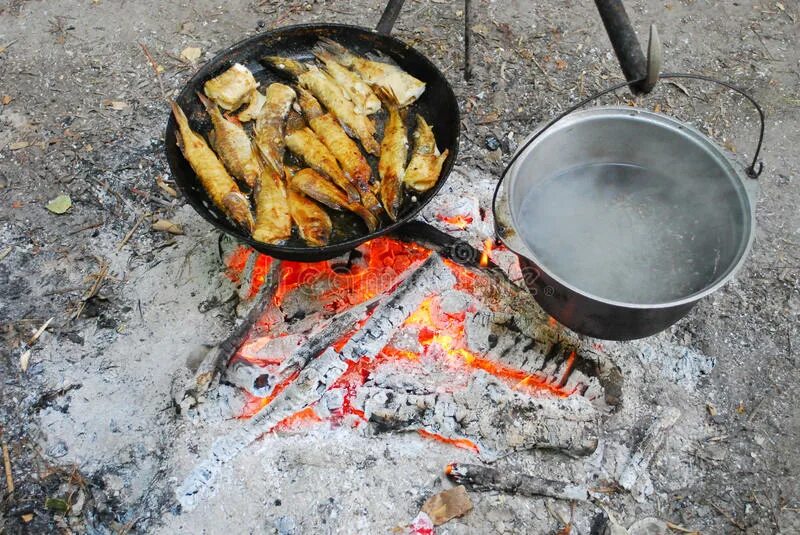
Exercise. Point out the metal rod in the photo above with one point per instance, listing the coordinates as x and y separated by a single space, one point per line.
626 45
389 16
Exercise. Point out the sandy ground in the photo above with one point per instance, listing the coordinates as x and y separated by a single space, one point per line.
83 114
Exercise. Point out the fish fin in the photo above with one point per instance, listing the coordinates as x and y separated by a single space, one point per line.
238 208
210 106
180 117
340 52
179 140
386 95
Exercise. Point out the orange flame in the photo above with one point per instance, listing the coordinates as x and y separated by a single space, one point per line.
488 243
297 420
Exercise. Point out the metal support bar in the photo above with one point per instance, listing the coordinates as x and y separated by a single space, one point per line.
389 16
626 44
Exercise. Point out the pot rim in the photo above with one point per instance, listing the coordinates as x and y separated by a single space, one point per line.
745 188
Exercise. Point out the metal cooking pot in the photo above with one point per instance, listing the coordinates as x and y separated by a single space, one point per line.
623 218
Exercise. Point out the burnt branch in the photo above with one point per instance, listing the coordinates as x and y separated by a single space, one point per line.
213 364
485 478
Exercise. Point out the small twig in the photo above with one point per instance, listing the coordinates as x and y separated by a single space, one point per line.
676 527
755 409
100 278
7 46
39 332
154 65
727 516
7 466
86 227
130 233
5 252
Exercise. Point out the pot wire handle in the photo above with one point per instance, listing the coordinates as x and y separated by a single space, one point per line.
389 16
753 171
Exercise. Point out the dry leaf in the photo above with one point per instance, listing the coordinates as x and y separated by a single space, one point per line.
118 105
27 517
447 505
169 190
191 54
60 204
6 100
712 410
19 145
165 225
24 360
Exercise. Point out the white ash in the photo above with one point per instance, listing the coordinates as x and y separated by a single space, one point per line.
487 412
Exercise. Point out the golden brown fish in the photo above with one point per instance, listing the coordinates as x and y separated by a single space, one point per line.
255 101
405 87
426 163
305 144
273 220
361 94
231 88
394 151
312 220
320 189
333 97
232 145
221 188
269 129
333 136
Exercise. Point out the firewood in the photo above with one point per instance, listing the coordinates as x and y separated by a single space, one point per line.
430 277
486 478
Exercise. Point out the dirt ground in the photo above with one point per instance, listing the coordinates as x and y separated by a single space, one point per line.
83 88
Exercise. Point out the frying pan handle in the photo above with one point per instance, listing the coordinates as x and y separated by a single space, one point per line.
389 16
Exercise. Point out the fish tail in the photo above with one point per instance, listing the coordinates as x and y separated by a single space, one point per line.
238 208
344 56
295 68
180 117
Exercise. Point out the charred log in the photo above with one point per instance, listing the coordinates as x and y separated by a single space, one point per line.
486 478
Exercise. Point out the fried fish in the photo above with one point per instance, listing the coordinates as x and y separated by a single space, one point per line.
426 163
405 87
330 132
361 93
221 188
317 187
231 88
313 222
269 128
273 220
305 144
232 145
334 98
394 152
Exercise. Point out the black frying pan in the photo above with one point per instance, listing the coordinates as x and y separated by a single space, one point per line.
437 104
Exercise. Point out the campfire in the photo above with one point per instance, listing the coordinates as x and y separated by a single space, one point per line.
397 337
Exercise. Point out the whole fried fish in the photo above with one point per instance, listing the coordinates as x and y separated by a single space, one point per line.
232 145
394 152
405 87
317 187
426 163
306 145
269 128
273 220
361 93
231 88
333 97
330 132
312 220
221 188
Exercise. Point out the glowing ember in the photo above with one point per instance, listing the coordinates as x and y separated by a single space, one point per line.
457 221
462 443
440 334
